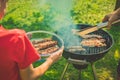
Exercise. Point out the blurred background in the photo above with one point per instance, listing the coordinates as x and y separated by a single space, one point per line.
50 15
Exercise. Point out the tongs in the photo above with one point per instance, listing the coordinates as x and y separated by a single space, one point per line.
85 31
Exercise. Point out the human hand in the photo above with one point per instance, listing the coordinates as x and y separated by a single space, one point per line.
55 57
112 17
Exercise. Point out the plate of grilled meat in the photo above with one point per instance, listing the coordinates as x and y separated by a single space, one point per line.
46 43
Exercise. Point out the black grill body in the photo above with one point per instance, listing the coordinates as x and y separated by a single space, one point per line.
81 59
91 54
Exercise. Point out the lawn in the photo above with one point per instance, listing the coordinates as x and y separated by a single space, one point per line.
50 15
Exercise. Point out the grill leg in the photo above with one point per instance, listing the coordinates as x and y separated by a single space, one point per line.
79 78
64 71
93 70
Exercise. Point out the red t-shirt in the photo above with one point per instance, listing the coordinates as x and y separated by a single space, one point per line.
16 52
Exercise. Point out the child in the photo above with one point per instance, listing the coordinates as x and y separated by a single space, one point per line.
17 54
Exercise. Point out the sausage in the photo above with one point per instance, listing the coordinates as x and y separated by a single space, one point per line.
45 46
48 50
41 41
93 42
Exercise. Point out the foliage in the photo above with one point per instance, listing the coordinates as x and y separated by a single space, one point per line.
91 11
33 15
26 17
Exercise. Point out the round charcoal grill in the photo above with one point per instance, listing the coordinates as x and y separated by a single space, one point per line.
91 54
80 59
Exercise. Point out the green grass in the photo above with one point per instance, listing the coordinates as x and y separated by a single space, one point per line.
29 15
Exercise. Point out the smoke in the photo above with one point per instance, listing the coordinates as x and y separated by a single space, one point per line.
62 6
63 22
42 3
62 10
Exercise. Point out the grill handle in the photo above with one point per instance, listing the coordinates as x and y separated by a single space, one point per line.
78 62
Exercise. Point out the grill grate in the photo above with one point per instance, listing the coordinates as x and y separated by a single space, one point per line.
96 50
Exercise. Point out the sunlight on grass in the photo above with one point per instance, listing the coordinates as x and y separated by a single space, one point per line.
117 54
30 15
104 74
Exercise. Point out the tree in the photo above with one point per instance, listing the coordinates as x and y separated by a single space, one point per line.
117 4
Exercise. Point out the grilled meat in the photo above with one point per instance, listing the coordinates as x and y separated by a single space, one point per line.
93 41
92 36
48 50
45 46
41 41
76 48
